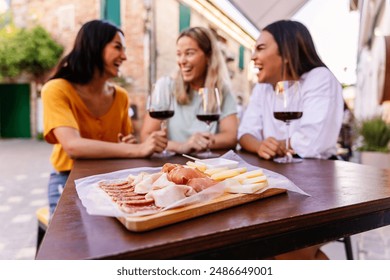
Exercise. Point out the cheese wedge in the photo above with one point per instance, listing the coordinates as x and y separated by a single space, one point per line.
254 180
249 188
212 171
250 174
199 166
222 175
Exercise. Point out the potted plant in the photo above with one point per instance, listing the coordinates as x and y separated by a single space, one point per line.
375 137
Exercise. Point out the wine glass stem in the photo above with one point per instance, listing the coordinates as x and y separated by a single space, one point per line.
209 130
163 126
287 138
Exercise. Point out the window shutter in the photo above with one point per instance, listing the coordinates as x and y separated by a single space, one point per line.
185 17
111 11
241 52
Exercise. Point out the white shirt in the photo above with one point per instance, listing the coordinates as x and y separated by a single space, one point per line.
315 134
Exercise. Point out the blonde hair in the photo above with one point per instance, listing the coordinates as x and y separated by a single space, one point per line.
217 74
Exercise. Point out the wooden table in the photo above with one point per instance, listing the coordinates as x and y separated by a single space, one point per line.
346 198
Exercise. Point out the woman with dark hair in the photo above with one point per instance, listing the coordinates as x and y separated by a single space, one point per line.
285 51
84 115
201 64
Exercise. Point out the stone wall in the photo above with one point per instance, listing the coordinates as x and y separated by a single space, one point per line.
63 19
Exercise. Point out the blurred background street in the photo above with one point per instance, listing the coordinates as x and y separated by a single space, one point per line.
354 45
24 171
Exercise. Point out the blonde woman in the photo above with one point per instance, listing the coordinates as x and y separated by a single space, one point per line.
201 64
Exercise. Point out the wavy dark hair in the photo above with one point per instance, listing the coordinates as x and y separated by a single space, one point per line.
295 46
87 53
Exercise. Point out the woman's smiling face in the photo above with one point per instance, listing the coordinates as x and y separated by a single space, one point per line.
114 54
192 62
267 59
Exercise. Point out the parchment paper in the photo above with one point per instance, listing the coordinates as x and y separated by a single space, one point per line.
97 202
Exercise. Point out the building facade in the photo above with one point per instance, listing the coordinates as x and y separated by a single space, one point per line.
151 28
373 61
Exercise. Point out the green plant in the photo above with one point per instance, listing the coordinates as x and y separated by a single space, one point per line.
9 56
376 135
27 50
41 51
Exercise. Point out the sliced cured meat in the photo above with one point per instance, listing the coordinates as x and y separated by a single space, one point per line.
162 182
168 167
114 185
145 185
126 198
118 189
131 209
166 196
139 202
181 175
199 184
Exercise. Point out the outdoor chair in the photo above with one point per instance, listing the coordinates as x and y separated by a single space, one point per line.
43 222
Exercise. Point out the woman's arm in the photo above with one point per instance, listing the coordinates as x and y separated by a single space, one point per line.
149 125
226 138
77 147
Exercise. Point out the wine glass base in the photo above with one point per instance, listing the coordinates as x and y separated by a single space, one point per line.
163 154
207 154
287 159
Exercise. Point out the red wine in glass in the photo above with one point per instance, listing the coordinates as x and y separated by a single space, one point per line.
287 107
208 111
287 116
162 115
161 107
208 118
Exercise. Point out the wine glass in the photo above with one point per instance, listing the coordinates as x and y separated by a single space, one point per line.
209 111
160 106
287 107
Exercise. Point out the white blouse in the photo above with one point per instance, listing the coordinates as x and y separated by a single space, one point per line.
315 134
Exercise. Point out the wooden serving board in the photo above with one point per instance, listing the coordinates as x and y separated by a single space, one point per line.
227 200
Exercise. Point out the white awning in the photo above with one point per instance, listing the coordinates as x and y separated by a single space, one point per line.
264 12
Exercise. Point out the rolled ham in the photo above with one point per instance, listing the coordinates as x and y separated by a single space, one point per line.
181 175
199 184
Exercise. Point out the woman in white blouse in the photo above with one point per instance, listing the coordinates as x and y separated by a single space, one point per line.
285 51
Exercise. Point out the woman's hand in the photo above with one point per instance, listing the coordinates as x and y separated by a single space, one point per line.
270 147
128 139
196 143
154 143
200 141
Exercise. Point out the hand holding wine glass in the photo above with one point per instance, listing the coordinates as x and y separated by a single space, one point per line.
209 111
160 106
287 107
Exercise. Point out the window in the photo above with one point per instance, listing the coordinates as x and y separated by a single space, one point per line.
241 52
185 17
111 11
66 17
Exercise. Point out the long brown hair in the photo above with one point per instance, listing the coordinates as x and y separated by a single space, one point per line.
217 74
295 46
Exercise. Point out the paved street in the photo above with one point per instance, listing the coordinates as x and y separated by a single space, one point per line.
24 171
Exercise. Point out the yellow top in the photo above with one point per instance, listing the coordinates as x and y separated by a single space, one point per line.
62 106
